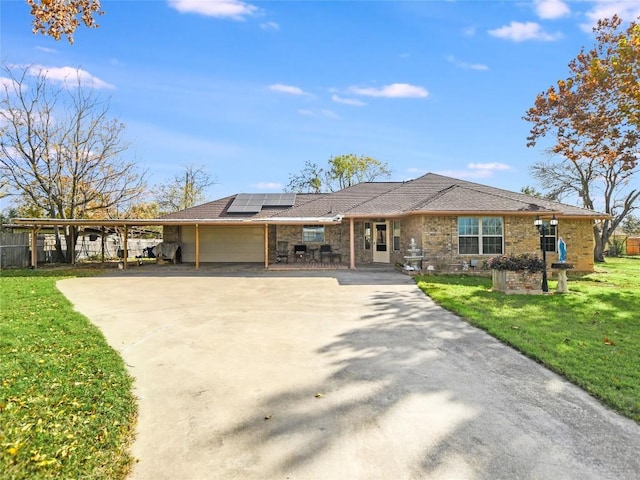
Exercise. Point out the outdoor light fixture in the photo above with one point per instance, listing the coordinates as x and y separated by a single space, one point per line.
542 229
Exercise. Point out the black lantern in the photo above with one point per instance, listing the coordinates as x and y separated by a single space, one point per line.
543 230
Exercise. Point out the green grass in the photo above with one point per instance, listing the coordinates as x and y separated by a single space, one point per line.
66 407
590 335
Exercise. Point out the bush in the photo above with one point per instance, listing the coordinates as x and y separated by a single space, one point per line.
523 261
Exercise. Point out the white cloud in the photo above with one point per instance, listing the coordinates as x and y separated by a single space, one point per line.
328 113
234 9
46 50
466 65
520 32
318 113
549 9
469 31
489 166
6 82
626 9
69 76
395 90
465 173
291 90
269 26
347 101
268 186
476 170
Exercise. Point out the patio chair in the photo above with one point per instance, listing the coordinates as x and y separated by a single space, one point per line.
282 252
327 252
299 252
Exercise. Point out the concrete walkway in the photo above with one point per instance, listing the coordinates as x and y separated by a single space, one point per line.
338 375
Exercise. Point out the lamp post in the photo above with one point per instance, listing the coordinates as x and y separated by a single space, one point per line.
542 229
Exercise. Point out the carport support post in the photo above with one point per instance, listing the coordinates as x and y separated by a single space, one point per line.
197 247
102 246
72 237
125 254
266 245
34 247
352 245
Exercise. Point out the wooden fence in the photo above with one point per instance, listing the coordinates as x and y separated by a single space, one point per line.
14 250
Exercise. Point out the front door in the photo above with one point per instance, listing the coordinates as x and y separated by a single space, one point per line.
380 243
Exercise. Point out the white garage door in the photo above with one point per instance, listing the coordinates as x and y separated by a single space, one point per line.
224 244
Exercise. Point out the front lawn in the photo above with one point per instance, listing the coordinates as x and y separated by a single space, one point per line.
66 407
590 335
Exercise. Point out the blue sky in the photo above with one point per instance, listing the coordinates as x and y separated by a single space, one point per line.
252 90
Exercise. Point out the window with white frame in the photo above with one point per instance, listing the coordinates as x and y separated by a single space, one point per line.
367 236
313 233
480 236
396 236
550 237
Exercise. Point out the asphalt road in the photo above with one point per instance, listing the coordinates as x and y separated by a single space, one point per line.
338 375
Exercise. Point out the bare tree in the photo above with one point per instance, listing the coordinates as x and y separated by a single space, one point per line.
184 190
60 152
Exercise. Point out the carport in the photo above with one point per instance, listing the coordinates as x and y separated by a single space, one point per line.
207 239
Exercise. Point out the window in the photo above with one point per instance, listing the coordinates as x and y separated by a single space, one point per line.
396 236
550 237
480 235
313 233
367 236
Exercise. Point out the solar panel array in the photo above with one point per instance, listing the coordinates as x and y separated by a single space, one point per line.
253 202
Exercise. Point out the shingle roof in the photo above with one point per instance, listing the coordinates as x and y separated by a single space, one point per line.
217 209
430 193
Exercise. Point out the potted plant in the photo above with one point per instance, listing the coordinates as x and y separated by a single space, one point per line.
521 273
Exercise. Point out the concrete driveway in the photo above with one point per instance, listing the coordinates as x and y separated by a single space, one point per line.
338 375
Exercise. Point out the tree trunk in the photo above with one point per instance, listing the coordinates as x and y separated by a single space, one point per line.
598 251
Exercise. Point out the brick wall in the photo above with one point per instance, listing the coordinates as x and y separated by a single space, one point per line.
437 237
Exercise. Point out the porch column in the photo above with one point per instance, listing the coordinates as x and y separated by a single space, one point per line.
352 245
102 246
125 254
34 247
197 247
266 245
72 247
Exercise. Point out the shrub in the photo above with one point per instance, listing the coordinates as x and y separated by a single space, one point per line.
523 261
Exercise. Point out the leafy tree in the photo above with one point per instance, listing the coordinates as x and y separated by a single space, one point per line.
533 192
61 17
60 152
184 190
341 172
594 117
631 225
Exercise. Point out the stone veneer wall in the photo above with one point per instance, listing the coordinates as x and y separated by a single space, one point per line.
171 234
437 237
517 282
335 235
440 241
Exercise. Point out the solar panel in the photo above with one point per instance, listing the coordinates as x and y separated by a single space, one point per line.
253 202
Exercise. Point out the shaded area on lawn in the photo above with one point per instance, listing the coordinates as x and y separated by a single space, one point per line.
410 373
590 335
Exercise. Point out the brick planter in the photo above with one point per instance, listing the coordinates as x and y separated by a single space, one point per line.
520 282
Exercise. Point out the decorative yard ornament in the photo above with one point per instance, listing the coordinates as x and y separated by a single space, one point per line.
562 250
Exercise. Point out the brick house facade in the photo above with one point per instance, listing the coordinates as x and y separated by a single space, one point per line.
452 222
